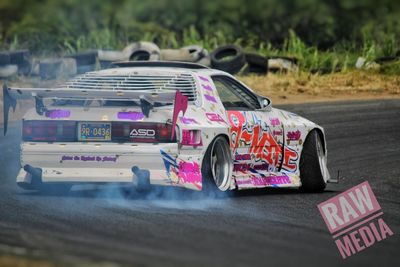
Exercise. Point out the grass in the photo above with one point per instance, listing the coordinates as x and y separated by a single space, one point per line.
342 56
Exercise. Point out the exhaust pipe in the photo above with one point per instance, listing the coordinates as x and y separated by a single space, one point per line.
142 179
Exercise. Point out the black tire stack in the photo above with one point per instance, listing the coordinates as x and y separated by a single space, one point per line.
21 58
15 62
50 68
229 58
85 61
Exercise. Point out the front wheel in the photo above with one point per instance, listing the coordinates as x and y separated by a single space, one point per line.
217 166
313 164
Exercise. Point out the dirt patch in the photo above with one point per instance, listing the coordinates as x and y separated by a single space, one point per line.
305 87
283 88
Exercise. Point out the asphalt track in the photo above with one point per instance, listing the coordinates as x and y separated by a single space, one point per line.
178 227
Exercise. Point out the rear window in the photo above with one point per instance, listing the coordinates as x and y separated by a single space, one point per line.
185 83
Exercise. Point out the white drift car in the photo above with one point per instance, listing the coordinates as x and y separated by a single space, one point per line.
164 123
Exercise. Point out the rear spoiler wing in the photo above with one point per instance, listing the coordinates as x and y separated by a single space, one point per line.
147 98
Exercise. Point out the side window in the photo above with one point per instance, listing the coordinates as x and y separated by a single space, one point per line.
233 95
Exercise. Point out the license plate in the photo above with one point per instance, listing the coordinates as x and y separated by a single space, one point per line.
92 131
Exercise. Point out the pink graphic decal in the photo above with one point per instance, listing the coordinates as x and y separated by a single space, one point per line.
57 113
185 120
189 172
275 121
277 132
180 104
210 98
262 145
214 117
204 79
294 136
89 158
207 87
130 115
265 181
351 219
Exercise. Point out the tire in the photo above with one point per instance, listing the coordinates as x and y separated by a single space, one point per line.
205 61
4 58
69 67
182 55
282 64
256 63
50 68
110 55
85 68
229 58
196 52
387 60
217 178
105 64
141 51
311 164
21 58
8 71
84 58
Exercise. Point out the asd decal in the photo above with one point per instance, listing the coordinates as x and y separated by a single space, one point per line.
262 145
354 218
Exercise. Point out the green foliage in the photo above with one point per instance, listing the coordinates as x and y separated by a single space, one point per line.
322 34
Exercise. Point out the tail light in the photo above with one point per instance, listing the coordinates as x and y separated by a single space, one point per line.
141 132
66 131
191 138
49 131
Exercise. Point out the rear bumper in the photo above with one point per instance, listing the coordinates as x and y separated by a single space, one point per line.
98 162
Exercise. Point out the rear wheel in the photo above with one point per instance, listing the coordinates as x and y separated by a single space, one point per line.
313 164
217 166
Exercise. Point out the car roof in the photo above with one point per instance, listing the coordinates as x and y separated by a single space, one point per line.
165 64
157 67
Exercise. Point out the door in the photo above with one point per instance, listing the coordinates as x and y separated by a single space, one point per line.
256 135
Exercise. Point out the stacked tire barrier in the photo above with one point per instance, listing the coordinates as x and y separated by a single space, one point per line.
15 62
229 58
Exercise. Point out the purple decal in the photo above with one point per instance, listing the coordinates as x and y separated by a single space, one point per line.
277 133
242 157
214 117
207 87
204 78
130 115
210 98
188 120
264 181
275 121
293 136
244 167
89 158
57 113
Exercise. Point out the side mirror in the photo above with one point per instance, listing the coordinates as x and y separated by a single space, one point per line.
265 103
